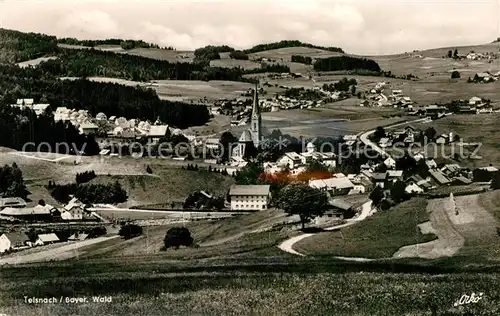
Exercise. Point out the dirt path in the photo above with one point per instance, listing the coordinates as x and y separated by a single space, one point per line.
60 253
366 210
449 241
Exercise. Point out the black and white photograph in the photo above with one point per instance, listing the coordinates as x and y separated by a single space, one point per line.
249 157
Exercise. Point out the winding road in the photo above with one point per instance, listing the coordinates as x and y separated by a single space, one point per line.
367 208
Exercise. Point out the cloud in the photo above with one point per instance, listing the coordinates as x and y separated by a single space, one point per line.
358 26
89 23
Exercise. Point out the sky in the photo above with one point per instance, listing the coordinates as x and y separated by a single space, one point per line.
365 27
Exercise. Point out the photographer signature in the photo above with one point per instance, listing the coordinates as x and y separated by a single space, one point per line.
466 299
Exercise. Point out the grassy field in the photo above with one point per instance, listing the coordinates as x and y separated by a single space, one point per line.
168 184
480 128
272 289
491 202
379 236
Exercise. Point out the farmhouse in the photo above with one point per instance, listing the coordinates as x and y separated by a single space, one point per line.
440 178
390 163
249 197
22 104
88 128
37 213
46 239
379 179
78 237
13 241
74 210
413 188
156 132
334 186
291 159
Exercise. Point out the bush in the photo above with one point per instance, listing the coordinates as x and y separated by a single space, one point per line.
130 231
238 54
85 177
455 75
96 232
301 59
176 237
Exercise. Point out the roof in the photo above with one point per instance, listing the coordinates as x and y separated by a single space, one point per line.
462 179
249 190
78 236
25 101
489 168
293 155
440 178
89 125
158 130
9 201
335 183
17 238
48 237
37 210
245 137
416 178
452 167
341 204
379 176
395 173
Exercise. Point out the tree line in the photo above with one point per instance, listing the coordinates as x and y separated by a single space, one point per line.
301 59
18 128
109 98
125 44
12 182
18 46
89 193
289 43
210 52
337 63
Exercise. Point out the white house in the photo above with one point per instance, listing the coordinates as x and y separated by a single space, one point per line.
335 185
390 163
73 210
249 197
431 164
88 128
413 188
47 238
475 100
291 159
13 241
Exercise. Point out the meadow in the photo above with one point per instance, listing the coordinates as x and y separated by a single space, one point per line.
378 236
269 287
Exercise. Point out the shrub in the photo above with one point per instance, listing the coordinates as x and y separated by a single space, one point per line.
238 54
455 75
96 232
176 237
130 231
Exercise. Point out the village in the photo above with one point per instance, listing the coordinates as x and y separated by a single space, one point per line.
417 172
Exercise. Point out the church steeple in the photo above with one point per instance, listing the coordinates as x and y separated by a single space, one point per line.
256 108
256 123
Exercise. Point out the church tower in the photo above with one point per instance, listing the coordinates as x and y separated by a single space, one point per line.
256 128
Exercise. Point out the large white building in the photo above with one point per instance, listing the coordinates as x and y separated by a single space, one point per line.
249 197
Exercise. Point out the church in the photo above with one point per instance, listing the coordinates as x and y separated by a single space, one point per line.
250 139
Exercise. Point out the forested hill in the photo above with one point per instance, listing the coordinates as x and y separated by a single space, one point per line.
289 43
125 44
17 46
112 99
